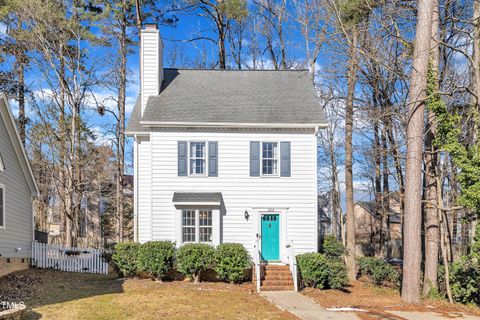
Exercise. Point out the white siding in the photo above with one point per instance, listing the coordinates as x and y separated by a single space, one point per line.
18 231
144 196
240 192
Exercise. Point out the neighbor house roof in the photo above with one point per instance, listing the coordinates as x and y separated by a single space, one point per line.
226 97
369 206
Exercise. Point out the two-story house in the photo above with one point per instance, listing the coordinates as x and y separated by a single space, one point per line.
225 156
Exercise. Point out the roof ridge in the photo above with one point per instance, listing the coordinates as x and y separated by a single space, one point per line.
238 70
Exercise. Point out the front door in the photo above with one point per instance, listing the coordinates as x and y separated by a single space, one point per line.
270 237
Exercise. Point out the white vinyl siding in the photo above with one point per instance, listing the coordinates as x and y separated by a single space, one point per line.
295 195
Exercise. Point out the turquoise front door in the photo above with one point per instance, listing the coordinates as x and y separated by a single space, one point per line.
270 237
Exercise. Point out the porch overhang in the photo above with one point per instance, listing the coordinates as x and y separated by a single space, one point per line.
197 199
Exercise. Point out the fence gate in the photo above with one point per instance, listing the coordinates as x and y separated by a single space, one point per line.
71 259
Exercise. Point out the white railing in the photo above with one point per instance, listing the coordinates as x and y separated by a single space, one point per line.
71 259
256 261
293 265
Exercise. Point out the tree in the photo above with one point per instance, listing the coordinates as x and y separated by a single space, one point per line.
415 130
221 14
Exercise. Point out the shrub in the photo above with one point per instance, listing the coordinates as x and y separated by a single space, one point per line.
332 247
378 271
464 280
194 258
317 271
156 258
125 257
231 261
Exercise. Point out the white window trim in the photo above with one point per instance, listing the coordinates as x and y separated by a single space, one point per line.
277 174
205 157
197 226
2 212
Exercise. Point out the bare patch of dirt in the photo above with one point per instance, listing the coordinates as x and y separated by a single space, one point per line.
378 301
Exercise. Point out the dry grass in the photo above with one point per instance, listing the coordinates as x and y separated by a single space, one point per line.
378 301
82 296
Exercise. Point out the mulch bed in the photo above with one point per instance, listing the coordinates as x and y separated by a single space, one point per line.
20 286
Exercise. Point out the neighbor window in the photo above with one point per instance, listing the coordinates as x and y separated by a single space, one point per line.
2 206
197 158
269 158
197 226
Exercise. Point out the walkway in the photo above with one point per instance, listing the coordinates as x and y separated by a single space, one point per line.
306 309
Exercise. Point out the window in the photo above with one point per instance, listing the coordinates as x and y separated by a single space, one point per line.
2 165
197 158
197 226
269 158
2 206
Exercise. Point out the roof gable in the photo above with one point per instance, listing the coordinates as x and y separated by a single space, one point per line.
7 116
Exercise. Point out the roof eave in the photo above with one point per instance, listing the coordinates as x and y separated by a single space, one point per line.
165 124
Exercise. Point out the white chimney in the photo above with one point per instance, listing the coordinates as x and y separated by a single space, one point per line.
151 63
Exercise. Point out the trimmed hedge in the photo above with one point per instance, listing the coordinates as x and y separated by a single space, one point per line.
156 258
317 271
194 258
231 262
125 257
379 271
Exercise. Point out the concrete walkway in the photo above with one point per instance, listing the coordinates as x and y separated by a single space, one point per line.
304 308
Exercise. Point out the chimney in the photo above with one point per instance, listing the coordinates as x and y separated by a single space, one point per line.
151 62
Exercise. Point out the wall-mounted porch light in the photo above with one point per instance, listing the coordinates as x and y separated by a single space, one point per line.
247 215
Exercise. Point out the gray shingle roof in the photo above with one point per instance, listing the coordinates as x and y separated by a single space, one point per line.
232 96
197 197
370 207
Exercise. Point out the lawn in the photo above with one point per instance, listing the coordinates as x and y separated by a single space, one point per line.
60 295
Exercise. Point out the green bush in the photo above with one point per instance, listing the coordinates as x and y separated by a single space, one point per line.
125 257
231 261
379 271
156 258
332 247
194 258
317 271
464 280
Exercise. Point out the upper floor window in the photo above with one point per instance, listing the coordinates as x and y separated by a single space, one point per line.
269 158
198 158
2 206
2 165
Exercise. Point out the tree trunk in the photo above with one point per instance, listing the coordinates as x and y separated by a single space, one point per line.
413 188
476 50
20 69
121 127
350 216
432 235
385 229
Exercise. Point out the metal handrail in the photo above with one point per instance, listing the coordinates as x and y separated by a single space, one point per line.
293 265
256 258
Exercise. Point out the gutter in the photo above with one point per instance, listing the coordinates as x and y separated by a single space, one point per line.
163 124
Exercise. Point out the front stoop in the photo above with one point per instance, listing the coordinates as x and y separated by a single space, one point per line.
274 278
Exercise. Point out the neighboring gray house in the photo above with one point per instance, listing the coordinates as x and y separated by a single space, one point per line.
17 191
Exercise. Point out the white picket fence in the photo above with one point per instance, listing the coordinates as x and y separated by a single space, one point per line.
71 259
